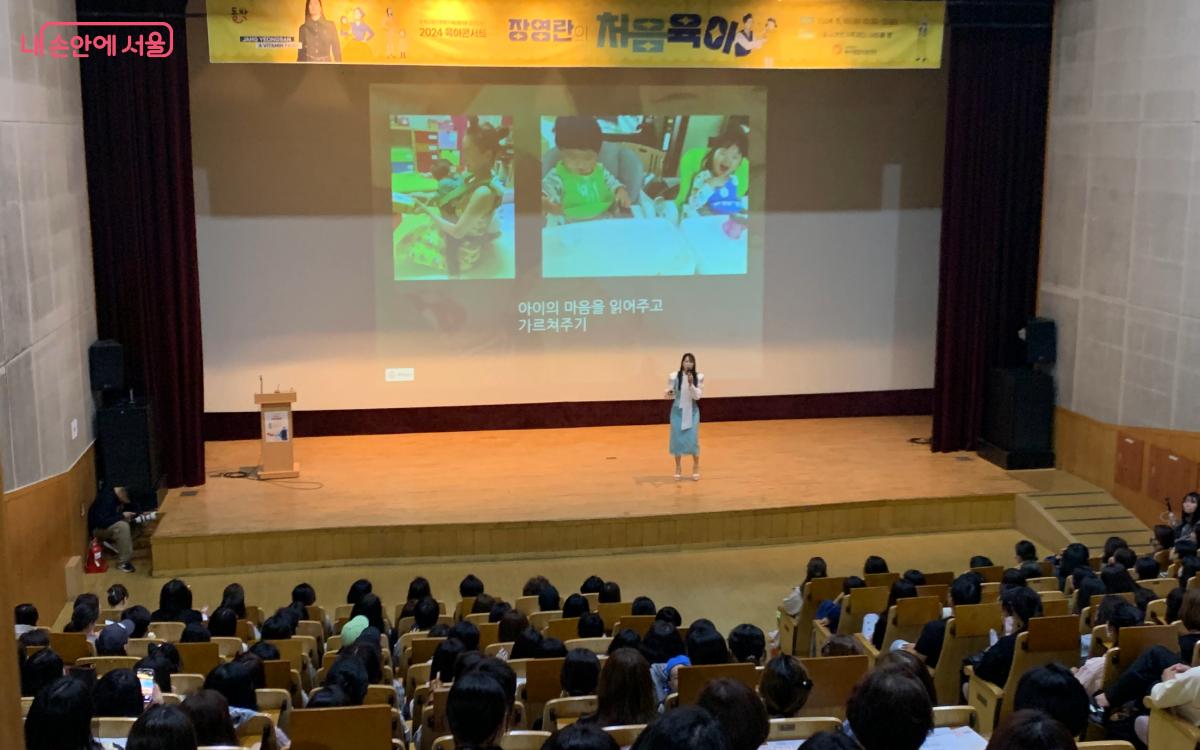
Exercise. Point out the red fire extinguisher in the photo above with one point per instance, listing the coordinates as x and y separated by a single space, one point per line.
95 558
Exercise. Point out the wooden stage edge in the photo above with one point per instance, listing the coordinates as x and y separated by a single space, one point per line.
492 540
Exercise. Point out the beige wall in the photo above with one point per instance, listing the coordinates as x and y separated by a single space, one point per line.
47 298
1121 240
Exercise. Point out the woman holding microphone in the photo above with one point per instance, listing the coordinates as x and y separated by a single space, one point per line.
684 389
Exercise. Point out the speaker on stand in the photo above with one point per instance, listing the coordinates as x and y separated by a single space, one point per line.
126 449
1018 413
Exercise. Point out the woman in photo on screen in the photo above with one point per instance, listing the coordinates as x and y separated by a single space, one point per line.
684 389
359 28
318 36
466 218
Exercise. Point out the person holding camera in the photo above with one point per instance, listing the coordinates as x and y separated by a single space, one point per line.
109 519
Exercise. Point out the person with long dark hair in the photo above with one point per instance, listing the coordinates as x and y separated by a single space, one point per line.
1186 524
715 189
684 388
466 218
318 36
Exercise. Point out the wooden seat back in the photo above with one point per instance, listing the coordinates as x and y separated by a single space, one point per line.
71 647
105 664
639 624
336 728
907 617
693 679
802 728
563 628
170 632
991 573
881 579
610 612
598 646
860 603
198 658
833 679
796 631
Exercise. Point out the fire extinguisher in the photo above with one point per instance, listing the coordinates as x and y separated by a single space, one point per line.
95 558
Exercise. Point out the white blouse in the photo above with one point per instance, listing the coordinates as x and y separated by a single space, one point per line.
687 396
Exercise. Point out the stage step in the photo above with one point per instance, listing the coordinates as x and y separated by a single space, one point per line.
1073 510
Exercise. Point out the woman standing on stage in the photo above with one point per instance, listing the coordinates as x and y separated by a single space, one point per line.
683 387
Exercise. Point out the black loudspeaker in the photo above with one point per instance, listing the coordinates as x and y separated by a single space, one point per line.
1041 341
106 365
128 453
1018 419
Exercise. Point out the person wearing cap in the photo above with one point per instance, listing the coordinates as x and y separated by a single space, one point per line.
113 638
353 629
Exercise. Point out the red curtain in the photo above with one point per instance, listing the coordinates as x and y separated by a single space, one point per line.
999 76
137 137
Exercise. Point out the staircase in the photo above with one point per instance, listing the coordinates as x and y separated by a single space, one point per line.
1073 510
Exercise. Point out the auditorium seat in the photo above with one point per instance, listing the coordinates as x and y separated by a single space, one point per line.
105 664
71 647
796 632
563 628
939 591
990 573
111 728
463 608
140 647
598 646
496 647
333 728
477 618
860 603
255 615
315 630
418 674
802 729
968 632
542 684
625 734
955 716
519 739
561 712
1048 583
1131 643
1169 731
276 704
245 631
227 647
1047 640
526 605
187 683
26 702
940 578
639 624
489 633
833 678
170 632
539 620
610 612
198 658
1160 586
1055 607
693 679
907 617
1156 613
881 579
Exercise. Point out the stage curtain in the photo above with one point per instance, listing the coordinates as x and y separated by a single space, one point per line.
991 207
137 138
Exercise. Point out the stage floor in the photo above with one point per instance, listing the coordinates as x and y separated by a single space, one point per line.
381 496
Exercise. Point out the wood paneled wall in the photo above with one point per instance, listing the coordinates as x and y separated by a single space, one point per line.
44 525
1100 452
10 679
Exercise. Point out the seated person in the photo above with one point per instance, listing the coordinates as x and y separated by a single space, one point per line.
1019 605
108 518
579 187
965 589
26 617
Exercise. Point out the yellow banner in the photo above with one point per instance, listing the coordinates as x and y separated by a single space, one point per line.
581 33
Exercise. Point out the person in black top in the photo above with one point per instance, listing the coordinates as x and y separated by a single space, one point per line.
965 589
108 518
175 604
318 36
1019 605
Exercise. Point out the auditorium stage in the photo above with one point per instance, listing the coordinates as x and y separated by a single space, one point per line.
543 493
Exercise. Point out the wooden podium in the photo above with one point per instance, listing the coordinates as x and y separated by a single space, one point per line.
275 459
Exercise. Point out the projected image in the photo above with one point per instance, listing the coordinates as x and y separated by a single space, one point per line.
452 197
645 195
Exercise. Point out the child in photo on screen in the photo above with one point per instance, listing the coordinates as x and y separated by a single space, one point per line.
579 187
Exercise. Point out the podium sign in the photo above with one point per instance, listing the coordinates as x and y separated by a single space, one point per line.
275 457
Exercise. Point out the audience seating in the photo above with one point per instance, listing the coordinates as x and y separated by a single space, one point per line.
518 739
245 630
610 612
1131 642
560 712
334 728
421 649
860 603
639 624
105 664
941 578
967 632
907 617
140 647
833 678
198 658
955 716
489 633
563 628
277 704
111 728
1169 731
170 632
1047 640
526 605
26 702
598 646
497 647
255 615
542 683
1160 586
71 647
228 648
796 631
478 618
991 573
539 620
940 591
881 579
1048 583
693 679
184 683
802 729
625 734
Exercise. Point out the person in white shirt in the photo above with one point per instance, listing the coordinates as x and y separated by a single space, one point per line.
26 617
1178 691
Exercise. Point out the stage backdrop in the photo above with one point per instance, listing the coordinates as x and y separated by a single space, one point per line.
781 225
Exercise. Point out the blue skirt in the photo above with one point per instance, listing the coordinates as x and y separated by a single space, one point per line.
684 442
